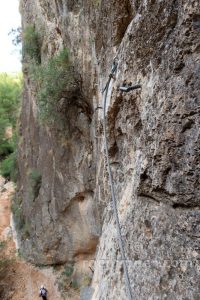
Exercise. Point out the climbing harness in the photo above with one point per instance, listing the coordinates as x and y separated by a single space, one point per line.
120 240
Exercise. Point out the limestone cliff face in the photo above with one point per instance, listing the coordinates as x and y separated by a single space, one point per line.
63 220
153 146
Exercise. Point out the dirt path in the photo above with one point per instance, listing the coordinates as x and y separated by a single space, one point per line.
28 280
25 278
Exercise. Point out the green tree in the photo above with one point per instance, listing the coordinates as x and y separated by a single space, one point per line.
10 95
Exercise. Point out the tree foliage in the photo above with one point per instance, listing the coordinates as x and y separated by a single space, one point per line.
10 95
16 34
32 43
56 84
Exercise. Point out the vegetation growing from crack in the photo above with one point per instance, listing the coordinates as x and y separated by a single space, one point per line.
35 181
16 209
66 284
32 41
21 224
57 84
96 3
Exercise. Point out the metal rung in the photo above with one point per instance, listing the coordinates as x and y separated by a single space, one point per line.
127 89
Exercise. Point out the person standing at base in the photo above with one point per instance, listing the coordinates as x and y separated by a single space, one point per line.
43 292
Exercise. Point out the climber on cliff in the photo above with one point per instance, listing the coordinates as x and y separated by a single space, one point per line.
43 292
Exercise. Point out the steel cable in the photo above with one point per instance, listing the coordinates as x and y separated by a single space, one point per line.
114 202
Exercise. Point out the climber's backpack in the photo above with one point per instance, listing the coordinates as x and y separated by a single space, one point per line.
43 292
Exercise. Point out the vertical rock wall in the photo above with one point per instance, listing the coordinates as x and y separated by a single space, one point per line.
154 151
62 221
153 145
